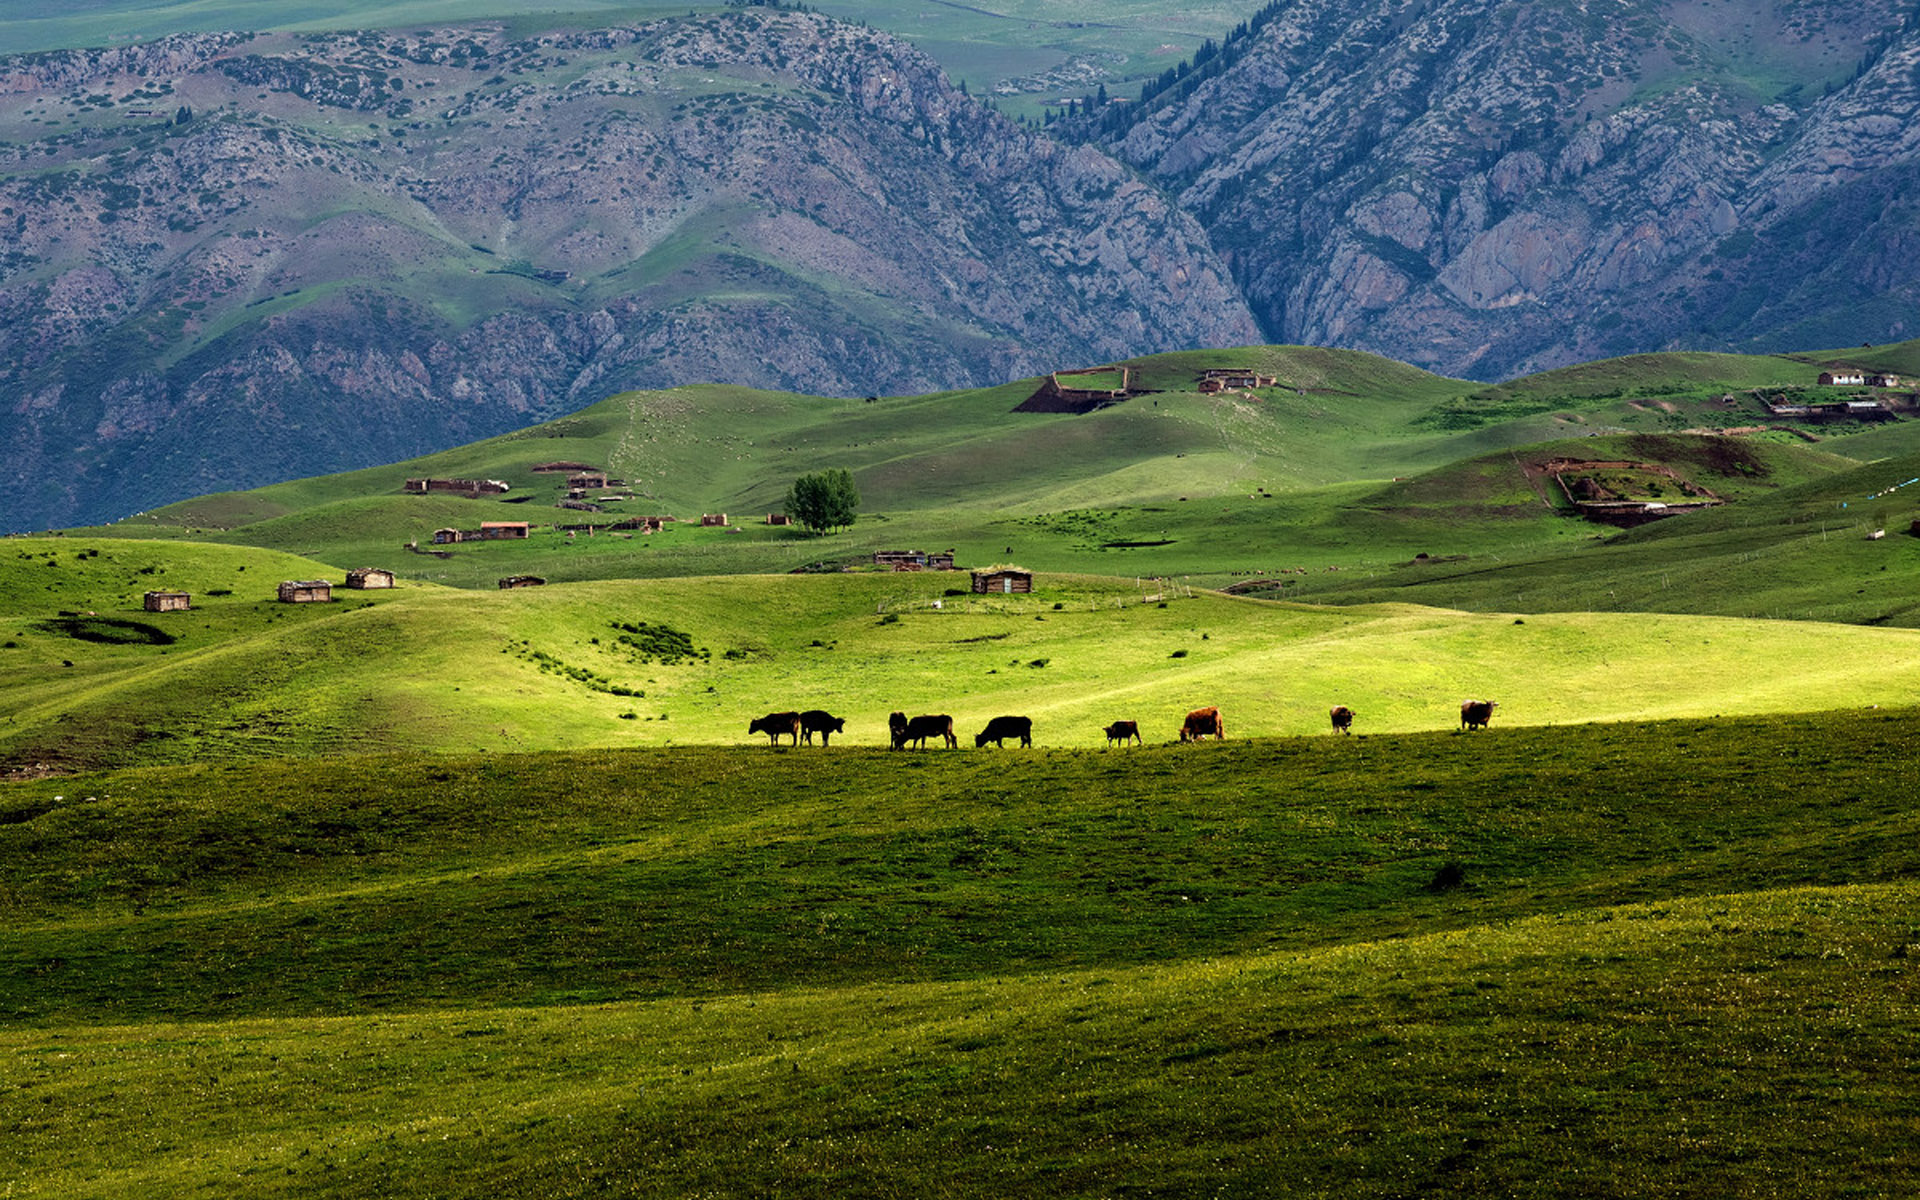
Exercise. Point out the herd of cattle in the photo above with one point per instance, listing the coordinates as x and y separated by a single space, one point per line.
902 729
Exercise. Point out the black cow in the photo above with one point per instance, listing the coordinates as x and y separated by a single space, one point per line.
816 720
896 729
1474 714
1342 718
774 725
1120 731
919 729
1001 728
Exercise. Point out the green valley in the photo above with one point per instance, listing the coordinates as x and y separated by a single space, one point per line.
457 889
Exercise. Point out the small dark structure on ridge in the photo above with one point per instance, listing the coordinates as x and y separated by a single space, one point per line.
1079 391
1002 580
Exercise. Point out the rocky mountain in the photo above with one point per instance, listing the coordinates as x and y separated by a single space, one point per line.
231 259
1489 187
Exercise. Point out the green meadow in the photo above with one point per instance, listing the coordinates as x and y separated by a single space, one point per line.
1672 959
452 890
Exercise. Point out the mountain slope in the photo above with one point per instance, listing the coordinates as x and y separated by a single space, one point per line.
1486 187
235 259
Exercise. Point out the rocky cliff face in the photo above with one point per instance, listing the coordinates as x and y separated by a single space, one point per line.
1485 187
231 259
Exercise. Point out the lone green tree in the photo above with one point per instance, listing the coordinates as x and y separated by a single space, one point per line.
824 500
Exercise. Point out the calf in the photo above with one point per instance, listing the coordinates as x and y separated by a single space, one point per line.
919 729
1342 718
896 729
774 725
819 721
1202 722
1120 731
1474 714
1001 728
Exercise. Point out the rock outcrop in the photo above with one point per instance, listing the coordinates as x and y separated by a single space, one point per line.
1487 187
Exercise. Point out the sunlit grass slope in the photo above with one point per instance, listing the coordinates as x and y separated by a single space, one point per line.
1348 460
1662 959
692 661
1804 553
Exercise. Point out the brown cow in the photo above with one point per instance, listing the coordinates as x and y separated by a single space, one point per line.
1474 714
1120 731
1342 718
919 729
1201 722
816 720
1001 728
776 724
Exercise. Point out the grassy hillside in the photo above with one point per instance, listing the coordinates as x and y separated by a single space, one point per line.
692 661
1670 959
1351 461
1804 553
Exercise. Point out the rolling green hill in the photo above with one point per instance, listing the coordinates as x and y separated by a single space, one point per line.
693 661
451 890
1351 461
1674 959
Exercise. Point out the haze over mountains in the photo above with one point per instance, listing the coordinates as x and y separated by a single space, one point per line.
233 259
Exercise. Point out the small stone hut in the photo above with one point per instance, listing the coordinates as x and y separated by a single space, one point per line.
167 601
367 578
1002 580
491 531
310 591
711 520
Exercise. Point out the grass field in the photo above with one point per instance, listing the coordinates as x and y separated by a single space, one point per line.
458 891
1669 959
693 661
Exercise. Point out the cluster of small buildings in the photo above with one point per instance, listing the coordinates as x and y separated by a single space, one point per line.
489 531
291 591
1849 377
913 560
472 489
1233 379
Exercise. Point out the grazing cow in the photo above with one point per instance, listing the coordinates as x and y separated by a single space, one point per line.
1202 722
1474 714
1001 728
819 721
896 729
775 725
1342 718
1120 731
920 729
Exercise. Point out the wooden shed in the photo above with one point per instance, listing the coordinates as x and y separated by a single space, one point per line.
520 581
779 519
366 578
167 601
713 519
491 531
310 591
1002 580
445 537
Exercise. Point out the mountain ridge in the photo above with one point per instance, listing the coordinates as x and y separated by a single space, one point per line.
406 240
